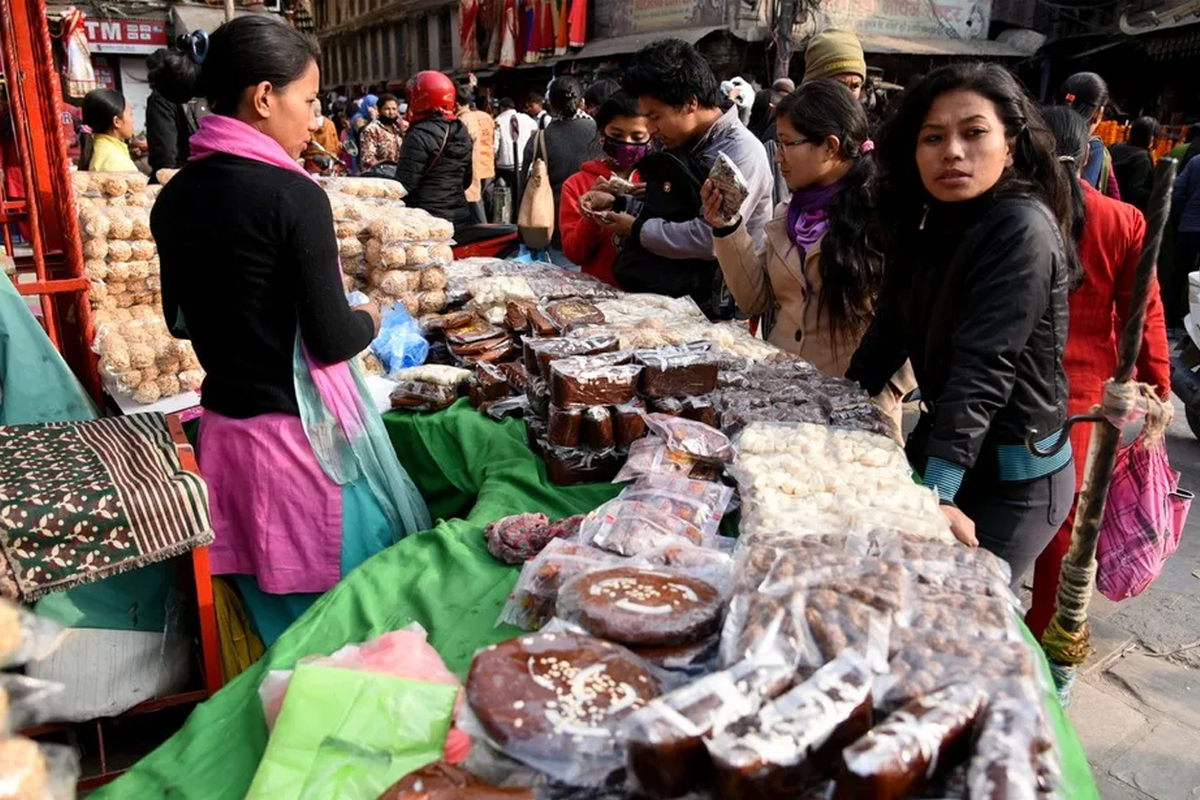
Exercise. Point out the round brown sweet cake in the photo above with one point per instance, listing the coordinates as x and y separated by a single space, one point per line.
642 607
551 695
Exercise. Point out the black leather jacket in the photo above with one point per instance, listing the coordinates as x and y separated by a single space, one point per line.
435 167
979 304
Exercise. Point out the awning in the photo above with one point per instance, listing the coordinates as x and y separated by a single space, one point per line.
877 44
623 45
189 18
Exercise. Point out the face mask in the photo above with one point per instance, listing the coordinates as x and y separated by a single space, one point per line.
625 154
388 119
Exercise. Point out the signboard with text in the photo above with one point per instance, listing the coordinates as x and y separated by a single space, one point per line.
624 17
953 19
128 36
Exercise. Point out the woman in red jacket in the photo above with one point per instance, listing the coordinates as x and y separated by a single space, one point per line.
625 140
1109 236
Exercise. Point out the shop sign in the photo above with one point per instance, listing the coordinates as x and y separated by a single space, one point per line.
943 19
624 17
129 36
105 75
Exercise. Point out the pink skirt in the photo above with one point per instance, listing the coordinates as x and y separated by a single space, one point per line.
276 514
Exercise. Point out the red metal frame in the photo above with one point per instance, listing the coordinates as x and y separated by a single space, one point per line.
47 216
48 208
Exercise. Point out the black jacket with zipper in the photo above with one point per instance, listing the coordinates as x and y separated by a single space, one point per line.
435 167
168 129
978 302
673 182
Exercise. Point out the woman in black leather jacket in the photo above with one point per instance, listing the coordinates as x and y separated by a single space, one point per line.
974 208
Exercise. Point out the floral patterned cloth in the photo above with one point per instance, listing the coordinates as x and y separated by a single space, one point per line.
81 501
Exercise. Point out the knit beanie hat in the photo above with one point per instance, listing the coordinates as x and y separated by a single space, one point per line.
834 52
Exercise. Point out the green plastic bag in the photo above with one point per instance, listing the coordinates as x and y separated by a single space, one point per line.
348 735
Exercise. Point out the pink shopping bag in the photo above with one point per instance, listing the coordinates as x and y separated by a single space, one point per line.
1143 521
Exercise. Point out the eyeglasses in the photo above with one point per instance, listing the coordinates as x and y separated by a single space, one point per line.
786 145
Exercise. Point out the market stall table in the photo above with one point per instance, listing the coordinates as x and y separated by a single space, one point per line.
472 471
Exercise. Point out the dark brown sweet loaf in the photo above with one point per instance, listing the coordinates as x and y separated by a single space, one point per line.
493 384
667 756
548 696
902 756
569 313
592 381
539 352
629 422
642 607
795 741
566 466
598 431
565 425
442 781
1005 765
674 373
700 409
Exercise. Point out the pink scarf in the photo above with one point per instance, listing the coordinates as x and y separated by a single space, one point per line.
218 135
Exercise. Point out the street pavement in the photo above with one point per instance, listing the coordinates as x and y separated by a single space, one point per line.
1136 703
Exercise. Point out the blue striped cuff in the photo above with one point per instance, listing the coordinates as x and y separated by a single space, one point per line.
944 476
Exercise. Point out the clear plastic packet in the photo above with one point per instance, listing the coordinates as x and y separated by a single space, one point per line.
382 188
682 664
713 564
556 700
804 628
419 396
667 756
795 741
640 606
967 616
1011 759
531 603
756 557
568 466
566 314
729 180
22 700
499 410
25 636
902 755
437 374
702 442
518 538
882 585
651 456
699 503
587 381
632 528
677 371
33 771
922 662
924 557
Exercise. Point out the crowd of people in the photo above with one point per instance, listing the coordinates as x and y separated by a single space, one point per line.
968 244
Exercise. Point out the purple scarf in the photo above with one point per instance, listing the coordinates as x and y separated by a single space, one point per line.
808 215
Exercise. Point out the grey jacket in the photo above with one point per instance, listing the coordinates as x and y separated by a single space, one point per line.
694 239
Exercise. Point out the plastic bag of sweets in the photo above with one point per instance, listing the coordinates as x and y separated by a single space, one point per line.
667 756
555 700
729 180
641 606
795 741
531 603
902 756
630 528
921 663
696 439
700 503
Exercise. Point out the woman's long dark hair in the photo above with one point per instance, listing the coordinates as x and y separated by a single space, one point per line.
851 261
1071 144
1085 92
1035 171
243 52
565 96
100 106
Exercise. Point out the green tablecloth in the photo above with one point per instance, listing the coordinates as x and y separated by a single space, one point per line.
472 471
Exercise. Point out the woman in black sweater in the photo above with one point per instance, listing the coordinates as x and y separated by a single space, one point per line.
978 273
250 274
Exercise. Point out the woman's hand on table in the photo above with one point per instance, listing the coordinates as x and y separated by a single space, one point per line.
962 526
373 310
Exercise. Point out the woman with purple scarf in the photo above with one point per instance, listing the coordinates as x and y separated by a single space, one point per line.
816 282
303 482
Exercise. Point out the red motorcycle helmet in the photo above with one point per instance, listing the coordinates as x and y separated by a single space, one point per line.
431 93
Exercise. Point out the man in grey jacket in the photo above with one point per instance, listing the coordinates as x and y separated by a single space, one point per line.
668 244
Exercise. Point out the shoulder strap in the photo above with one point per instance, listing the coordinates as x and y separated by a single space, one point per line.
438 157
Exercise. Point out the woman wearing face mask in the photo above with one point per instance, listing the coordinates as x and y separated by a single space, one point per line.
254 282
111 121
625 140
976 212
816 280
381 140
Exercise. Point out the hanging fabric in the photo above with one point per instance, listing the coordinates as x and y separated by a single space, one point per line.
468 14
81 78
546 27
577 24
560 27
530 50
508 38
